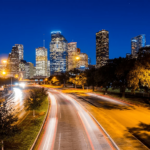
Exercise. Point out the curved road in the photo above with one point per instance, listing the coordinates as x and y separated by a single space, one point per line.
70 127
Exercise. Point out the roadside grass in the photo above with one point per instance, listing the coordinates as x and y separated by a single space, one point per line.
29 129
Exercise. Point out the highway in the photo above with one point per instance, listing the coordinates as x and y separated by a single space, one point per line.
70 127
126 124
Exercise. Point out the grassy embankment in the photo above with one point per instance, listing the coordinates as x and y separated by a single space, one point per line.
29 129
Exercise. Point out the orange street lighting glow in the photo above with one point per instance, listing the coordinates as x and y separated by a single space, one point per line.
77 58
4 72
16 76
4 61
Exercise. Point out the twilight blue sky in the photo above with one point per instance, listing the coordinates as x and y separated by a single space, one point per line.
25 22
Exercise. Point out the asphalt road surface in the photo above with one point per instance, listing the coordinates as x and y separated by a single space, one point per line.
70 127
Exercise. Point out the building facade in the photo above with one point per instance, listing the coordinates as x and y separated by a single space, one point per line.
13 62
22 71
29 70
72 54
82 63
58 53
41 61
48 68
20 51
136 43
102 48
78 50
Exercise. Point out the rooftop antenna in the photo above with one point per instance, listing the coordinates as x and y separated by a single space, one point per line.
43 40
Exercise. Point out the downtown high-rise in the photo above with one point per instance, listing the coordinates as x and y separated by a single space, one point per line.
41 61
72 54
20 51
136 43
13 62
102 48
58 53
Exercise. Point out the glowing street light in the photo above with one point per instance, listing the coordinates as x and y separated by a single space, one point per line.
77 58
4 73
16 76
4 61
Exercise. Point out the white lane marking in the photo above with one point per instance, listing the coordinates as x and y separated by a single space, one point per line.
59 141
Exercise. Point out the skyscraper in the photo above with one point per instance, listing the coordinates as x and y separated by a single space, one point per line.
72 54
102 48
41 61
29 69
136 43
58 53
13 62
82 63
48 68
20 51
22 71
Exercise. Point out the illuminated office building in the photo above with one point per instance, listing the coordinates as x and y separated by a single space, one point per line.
136 43
29 70
20 50
22 71
2 69
82 63
102 48
13 62
41 61
58 53
48 68
72 54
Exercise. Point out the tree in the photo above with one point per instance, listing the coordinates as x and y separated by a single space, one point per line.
90 74
54 80
80 79
36 97
140 73
63 78
8 119
105 75
122 70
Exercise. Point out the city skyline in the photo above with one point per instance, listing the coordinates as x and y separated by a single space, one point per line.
31 27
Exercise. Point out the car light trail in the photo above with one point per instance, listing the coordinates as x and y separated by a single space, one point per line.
107 99
95 136
48 138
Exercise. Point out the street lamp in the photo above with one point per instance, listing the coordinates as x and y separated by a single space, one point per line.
4 73
77 58
16 76
4 61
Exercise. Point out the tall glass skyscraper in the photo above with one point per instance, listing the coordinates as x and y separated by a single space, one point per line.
20 51
102 48
58 53
41 61
13 62
72 53
136 43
